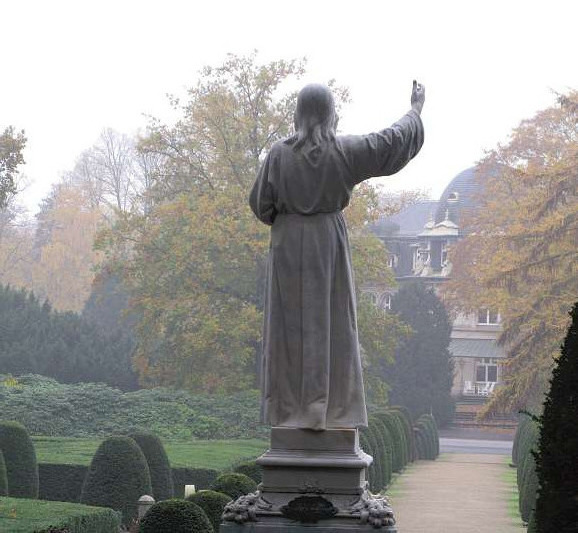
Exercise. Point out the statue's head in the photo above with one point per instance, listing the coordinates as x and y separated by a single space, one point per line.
315 117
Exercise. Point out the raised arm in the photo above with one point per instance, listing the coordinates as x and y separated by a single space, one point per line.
386 152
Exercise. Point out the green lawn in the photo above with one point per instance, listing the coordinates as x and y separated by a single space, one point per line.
217 454
19 515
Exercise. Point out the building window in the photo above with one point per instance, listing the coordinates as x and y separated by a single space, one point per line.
487 370
488 317
445 249
392 261
387 302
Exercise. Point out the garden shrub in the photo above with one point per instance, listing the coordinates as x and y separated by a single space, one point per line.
382 443
201 478
20 460
406 420
94 410
117 477
175 516
234 485
375 481
56 517
387 455
158 463
250 469
523 425
3 478
403 442
396 435
365 445
61 483
212 503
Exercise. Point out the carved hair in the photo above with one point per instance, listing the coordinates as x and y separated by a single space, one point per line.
315 117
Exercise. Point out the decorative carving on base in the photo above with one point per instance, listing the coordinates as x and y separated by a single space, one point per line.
245 508
309 509
374 510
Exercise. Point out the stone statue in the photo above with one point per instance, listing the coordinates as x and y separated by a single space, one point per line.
311 370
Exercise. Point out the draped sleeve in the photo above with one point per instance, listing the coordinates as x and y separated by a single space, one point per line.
262 198
385 152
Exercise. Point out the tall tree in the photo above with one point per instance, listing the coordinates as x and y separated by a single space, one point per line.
521 255
556 505
12 144
421 376
193 262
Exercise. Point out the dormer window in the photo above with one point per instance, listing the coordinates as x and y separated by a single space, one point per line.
488 317
453 197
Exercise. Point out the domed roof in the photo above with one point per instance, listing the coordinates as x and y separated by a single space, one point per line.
457 196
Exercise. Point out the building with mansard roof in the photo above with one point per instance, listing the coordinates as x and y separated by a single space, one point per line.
418 239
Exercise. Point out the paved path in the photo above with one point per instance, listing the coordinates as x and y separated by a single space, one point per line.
476 446
457 493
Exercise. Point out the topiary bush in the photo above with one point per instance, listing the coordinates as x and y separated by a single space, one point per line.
20 460
375 481
175 516
557 455
234 485
158 463
117 477
250 469
212 503
61 483
405 418
398 443
375 427
3 478
387 454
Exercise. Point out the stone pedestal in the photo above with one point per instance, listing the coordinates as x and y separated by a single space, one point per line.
312 480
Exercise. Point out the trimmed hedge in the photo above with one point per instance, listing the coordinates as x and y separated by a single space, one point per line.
50 517
3 478
213 503
398 443
61 483
117 477
159 466
427 438
20 460
387 453
406 419
525 444
375 478
234 485
250 469
201 478
175 516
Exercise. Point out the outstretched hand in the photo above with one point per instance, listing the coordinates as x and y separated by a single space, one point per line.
417 96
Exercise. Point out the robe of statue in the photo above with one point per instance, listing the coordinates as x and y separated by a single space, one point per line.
311 374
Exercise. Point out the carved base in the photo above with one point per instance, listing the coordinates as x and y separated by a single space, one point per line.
311 480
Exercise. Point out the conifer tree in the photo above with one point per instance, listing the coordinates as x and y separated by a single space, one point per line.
421 377
557 457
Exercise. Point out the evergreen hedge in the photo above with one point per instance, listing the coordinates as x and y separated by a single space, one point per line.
234 485
523 449
175 516
396 432
365 445
117 477
557 455
201 478
375 480
379 437
406 419
20 460
158 463
61 483
3 477
387 453
427 438
213 503
250 469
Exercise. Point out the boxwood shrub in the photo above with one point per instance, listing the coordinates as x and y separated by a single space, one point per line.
175 516
406 420
20 460
234 485
212 503
158 463
375 477
250 469
117 477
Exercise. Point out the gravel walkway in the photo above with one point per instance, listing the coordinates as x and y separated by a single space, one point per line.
457 493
